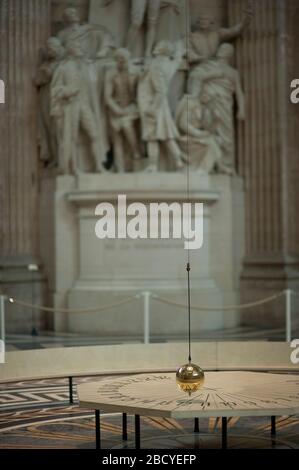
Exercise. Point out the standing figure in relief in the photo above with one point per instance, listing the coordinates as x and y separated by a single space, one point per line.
120 97
222 91
142 10
158 126
169 26
147 13
47 140
95 41
149 10
193 120
205 40
72 108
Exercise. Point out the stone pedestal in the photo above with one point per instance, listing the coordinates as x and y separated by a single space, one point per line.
88 272
24 26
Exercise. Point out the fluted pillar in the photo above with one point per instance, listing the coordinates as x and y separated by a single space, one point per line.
267 146
24 28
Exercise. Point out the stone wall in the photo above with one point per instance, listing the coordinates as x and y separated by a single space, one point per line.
24 26
267 155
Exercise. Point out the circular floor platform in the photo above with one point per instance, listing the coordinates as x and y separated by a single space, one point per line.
224 394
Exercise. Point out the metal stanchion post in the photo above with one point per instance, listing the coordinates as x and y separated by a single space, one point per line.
137 431
98 429
273 425
2 317
71 390
33 268
224 433
288 294
125 428
146 317
2 326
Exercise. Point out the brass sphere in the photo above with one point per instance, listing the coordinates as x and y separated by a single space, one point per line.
190 378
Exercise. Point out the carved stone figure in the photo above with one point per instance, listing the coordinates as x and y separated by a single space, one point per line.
72 107
169 23
47 137
222 91
158 126
95 41
140 10
147 12
120 98
193 121
205 40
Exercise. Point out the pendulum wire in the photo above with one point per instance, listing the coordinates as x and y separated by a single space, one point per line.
189 315
188 268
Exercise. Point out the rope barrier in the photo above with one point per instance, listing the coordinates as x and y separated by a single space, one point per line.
154 296
146 297
66 310
227 307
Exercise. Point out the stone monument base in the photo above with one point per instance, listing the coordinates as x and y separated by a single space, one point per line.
87 272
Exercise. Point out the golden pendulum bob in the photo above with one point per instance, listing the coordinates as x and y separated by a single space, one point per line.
189 377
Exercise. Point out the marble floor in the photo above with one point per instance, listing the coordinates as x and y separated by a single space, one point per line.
38 415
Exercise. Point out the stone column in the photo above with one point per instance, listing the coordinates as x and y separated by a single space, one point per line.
267 146
24 27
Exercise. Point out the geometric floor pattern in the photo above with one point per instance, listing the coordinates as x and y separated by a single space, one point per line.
37 415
